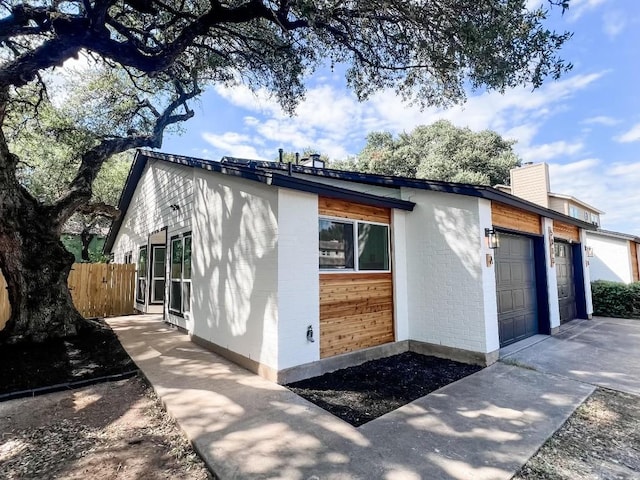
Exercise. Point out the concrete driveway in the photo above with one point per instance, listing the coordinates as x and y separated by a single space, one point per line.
603 352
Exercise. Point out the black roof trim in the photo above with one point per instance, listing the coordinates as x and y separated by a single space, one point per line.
245 169
480 191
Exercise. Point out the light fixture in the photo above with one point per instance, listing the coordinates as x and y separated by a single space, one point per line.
493 241
310 334
589 251
174 207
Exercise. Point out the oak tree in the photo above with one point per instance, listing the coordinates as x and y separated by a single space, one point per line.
161 53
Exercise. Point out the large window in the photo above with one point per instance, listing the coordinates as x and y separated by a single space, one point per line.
180 292
350 245
141 287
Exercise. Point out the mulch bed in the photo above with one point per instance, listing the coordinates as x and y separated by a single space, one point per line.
90 355
362 393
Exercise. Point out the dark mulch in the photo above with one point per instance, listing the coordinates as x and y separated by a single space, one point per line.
360 394
92 354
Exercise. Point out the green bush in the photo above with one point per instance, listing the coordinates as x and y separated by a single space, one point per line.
615 299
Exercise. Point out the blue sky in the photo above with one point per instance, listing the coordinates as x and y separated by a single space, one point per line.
586 125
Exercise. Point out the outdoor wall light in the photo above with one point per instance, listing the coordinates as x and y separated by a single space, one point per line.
174 207
589 251
310 334
493 241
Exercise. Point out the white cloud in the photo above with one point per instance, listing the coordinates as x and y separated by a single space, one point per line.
577 8
547 151
608 187
601 120
330 119
233 144
613 23
631 135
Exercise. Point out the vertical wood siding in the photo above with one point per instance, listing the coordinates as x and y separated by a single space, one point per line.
566 231
513 218
633 249
356 309
97 290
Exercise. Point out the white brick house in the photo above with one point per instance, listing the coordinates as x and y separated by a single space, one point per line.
230 252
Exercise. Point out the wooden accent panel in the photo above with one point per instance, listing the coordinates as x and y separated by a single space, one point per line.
97 290
634 260
332 207
566 231
513 218
356 312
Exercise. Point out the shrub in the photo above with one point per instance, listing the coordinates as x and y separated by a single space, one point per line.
615 299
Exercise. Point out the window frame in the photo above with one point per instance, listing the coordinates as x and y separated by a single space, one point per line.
356 247
181 280
143 300
152 274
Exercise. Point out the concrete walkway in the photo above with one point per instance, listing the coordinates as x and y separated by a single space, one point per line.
603 352
482 427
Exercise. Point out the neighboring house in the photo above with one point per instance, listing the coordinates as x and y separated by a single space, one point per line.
292 271
616 256
612 256
531 182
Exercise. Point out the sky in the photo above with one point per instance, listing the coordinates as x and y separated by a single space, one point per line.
586 125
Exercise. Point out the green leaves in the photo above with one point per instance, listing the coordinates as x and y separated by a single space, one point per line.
440 151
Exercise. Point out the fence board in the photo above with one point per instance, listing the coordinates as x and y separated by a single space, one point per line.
97 290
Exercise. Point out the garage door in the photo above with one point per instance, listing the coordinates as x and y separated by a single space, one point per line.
516 289
566 286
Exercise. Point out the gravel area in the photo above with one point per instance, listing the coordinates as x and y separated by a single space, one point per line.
601 440
106 431
365 392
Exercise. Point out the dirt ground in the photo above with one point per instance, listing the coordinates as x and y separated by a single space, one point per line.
601 440
362 393
115 430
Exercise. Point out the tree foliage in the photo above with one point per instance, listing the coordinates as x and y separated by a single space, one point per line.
440 151
148 60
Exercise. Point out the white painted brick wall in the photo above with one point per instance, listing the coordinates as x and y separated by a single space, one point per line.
489 299
235 268
298 278
587 273
444 271
611 260
161 184
552 277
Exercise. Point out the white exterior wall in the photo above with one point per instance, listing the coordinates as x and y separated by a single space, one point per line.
298 278
490 297
586 262
235 266
611 258
552 278
446 297
399 269
161 185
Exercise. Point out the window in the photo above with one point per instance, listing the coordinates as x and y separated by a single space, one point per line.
180 291
594 219
350 245
128 257
373 247
158 274
574 212
141 287
336 244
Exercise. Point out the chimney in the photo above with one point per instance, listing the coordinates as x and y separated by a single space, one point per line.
313 161
531 182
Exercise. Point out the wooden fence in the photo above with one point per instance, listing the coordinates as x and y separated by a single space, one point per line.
97 289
